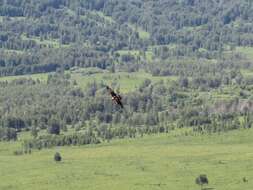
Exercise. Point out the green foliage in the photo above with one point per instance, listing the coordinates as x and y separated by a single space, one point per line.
49 141
57 157
153 107
63 34
8 134
201 180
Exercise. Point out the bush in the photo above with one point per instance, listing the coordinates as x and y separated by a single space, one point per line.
57 157
201 180
18 152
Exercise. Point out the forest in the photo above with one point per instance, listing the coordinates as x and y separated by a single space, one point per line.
201 50
41 36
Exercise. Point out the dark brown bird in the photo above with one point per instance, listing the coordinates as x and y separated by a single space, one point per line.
115 97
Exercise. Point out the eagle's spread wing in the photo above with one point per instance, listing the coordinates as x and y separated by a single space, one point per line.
112 93
116 98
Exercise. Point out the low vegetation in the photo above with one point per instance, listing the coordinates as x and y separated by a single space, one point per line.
171 161
57 157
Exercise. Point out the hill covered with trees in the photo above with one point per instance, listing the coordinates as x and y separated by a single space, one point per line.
41 36
201 50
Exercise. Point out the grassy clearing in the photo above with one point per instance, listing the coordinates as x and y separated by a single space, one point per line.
247 51
11 51
129 52
17 18
247 73
127 81
154 162
41 76
224 93
170 46
142 33
149 55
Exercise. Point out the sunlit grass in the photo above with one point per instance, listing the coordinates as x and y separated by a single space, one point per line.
11 51
152 162
247 73
247 51
41 76
16 18
126 81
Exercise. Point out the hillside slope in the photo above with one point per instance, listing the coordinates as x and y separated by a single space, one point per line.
41 36
158 162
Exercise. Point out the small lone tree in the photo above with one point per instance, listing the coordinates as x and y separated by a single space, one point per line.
244 179
57 157
201 180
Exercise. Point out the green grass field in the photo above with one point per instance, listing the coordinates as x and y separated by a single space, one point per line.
149 163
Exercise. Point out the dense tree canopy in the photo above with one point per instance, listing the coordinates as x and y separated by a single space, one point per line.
193 42
41 36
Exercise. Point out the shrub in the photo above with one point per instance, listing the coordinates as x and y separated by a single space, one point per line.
201 180
18 152
57 157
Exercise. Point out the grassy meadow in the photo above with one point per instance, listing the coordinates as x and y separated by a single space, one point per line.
126 81
41 76
154 162
247 51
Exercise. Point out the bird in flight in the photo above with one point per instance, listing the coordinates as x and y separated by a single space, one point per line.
115 97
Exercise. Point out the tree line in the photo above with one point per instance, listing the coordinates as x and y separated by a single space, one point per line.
60 105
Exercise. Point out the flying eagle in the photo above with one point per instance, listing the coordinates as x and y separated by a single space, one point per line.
115 97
